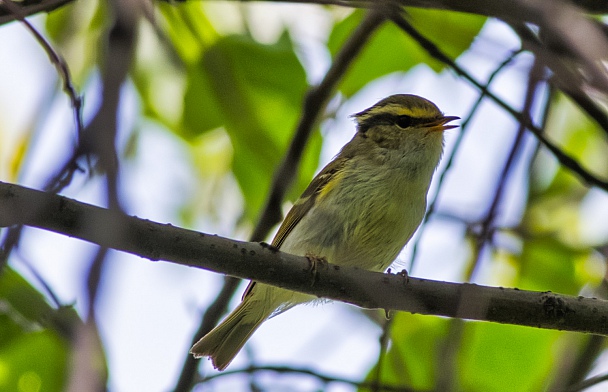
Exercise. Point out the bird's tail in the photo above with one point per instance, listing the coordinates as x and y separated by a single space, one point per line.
224 342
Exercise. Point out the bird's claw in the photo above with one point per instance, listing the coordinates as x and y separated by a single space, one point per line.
404 275
315 263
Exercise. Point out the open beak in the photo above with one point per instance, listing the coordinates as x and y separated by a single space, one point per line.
440 124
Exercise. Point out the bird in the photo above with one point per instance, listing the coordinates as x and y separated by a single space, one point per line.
360 210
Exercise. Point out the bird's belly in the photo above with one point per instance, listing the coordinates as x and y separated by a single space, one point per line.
369 236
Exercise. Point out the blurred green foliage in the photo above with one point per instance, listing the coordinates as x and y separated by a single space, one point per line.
34 338
235 103
390 50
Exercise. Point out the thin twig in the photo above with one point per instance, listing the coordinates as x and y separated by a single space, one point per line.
213 313
50 293
452 344
447 361
572 368
376 384
566 77
101 139
324 378
56 59
13 236
588 383
549 100
487 224
28 9
464 127
565 159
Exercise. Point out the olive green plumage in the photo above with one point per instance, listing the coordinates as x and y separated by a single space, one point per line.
360 210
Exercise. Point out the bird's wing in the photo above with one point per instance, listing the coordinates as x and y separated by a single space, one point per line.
318 188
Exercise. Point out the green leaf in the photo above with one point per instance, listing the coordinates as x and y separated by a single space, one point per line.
202 112
411 360
255 92
452 32
579 137
495 357
548 264
35 361
188 27
26 307
392 50
77 30
31 358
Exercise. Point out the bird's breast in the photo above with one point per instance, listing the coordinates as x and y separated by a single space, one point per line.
363 221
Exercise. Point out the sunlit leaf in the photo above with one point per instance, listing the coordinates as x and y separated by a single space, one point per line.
77 31
255 92
188 28
452 32
495 357
391 50
31 358
28 308
547 264
412 358
35 361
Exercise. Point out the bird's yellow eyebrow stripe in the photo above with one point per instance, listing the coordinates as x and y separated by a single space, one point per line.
397 110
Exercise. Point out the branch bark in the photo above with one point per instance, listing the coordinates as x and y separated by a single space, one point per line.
31 7
259 261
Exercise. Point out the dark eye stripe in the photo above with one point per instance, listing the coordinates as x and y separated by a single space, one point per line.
390 119
404 121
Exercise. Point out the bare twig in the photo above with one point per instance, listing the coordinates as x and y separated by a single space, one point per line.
464 126
211 317
376 384
16 12
582 356
324 378
453 342
101 139
50 293
486 229
30 8
565 75
448 356
100 134
56 59
565 159
496 9
588 383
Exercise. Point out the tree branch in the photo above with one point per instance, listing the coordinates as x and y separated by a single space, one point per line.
263 263
31 7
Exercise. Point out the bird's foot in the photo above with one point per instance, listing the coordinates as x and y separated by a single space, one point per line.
316 262
404 275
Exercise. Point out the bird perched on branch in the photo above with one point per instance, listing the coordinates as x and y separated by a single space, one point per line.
360 210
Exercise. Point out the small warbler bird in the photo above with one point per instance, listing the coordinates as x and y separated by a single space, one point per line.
360 210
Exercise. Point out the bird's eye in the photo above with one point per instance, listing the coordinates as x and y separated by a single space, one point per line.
404 121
